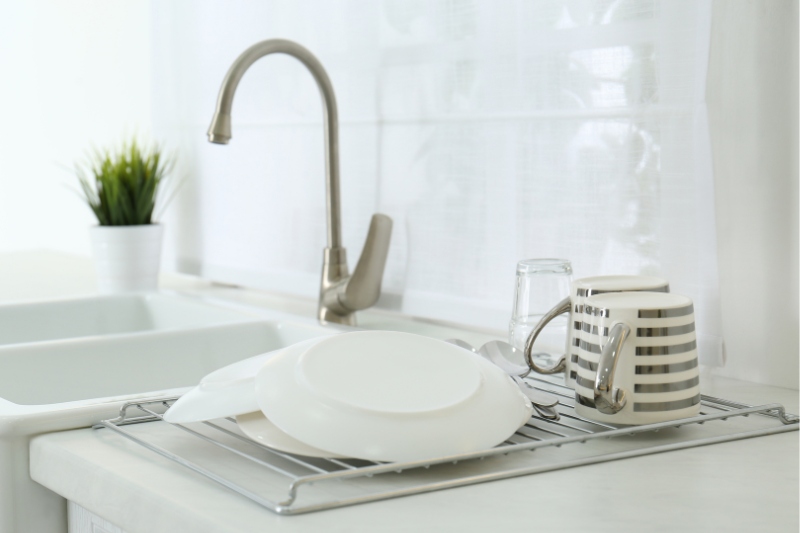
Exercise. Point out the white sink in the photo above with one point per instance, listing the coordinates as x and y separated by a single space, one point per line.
56 375
68 364
106 315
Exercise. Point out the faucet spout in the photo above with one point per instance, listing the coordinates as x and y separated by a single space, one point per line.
340 294
220 130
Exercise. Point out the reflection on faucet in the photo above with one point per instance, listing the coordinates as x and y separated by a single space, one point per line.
340 294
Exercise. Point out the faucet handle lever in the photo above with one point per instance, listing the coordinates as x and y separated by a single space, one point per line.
364 286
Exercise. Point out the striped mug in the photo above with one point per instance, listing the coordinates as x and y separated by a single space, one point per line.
580 290
637 360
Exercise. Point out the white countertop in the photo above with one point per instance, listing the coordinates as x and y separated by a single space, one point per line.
747 485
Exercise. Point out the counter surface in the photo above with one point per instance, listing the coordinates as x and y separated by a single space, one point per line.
748 485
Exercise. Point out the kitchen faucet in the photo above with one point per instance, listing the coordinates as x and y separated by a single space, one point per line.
340 294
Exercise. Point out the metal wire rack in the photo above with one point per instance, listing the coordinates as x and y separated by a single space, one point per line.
288 484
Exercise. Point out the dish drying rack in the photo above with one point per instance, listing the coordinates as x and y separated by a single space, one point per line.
289 484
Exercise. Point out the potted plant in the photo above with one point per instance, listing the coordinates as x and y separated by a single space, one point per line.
122 188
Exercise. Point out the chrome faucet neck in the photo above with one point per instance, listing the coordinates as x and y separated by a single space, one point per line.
340 294
220 129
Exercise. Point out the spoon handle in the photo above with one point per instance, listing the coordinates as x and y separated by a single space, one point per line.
538 397
547 412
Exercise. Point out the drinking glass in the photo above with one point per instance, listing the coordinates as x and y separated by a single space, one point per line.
540 285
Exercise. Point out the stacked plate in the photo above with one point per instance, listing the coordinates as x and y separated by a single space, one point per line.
376 395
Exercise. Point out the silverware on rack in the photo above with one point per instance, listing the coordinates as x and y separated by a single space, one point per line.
499 353
539 400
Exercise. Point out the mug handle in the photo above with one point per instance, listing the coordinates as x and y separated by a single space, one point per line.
607 399
560 308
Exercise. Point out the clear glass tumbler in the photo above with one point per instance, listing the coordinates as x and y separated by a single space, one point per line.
540 285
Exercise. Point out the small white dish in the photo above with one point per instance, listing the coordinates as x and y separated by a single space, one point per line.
390 396
262 430
228 391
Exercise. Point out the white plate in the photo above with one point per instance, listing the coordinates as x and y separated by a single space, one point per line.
389 396
228 391
262 430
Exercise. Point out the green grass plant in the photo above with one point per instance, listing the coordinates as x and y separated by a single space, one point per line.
122 186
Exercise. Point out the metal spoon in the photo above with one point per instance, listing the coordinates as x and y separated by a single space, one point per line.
536 397
493 351
499 353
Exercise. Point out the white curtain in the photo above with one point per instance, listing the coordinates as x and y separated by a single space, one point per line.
491 131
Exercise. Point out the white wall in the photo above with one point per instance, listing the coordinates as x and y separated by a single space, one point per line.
72 75
753 113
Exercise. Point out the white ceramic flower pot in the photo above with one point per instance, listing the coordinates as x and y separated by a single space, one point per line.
127 258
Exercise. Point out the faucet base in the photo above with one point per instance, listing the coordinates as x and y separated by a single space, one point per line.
326 316
334 274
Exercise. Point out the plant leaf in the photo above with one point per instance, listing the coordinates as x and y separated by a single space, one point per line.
122 187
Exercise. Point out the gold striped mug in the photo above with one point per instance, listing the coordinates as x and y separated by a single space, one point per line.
580 290
637 359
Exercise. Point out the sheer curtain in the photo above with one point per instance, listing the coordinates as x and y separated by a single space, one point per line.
491 131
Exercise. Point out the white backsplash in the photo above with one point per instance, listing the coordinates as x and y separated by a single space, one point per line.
489 131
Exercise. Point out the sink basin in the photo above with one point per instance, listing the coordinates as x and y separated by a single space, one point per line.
106 315
99 370
70 363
